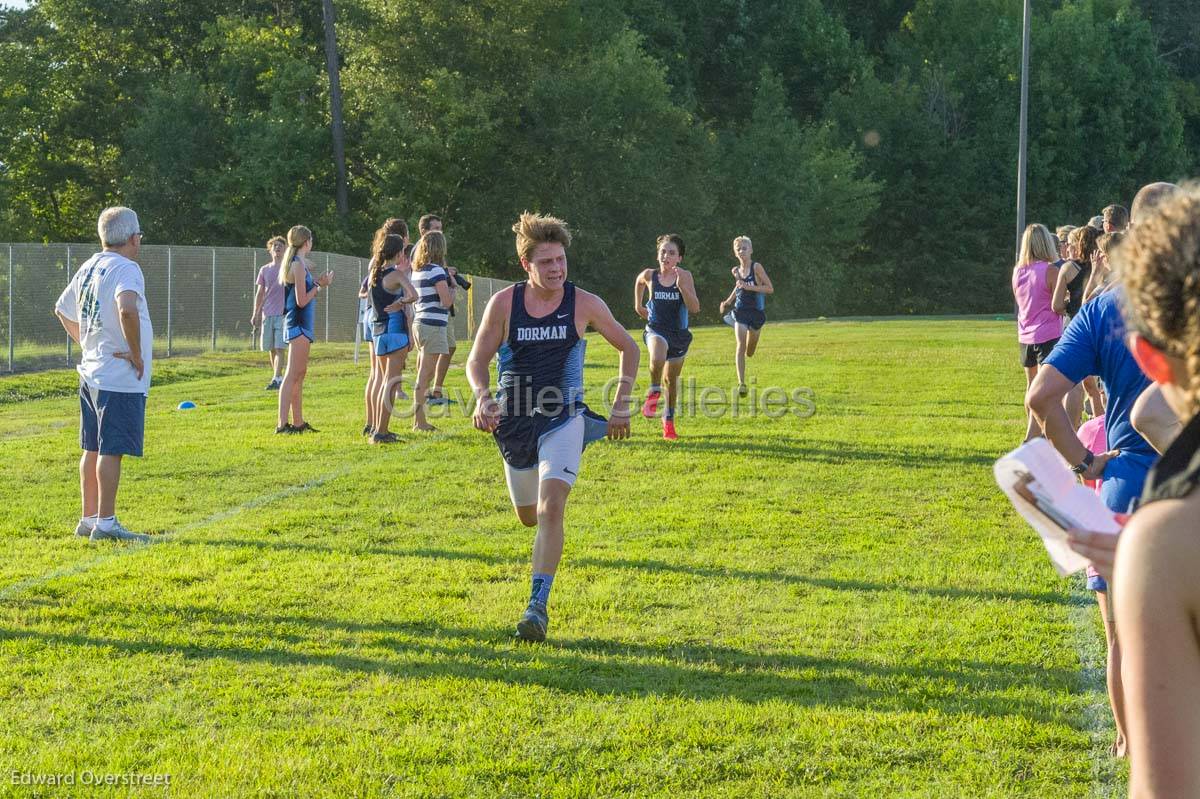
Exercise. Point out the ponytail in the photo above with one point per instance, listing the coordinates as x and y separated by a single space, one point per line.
296 238
385 249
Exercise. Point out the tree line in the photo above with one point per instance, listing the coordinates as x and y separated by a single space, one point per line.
868 147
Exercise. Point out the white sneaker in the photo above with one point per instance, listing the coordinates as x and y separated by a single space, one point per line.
83 529
117 533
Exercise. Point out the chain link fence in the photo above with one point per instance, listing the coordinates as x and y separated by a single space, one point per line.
200 299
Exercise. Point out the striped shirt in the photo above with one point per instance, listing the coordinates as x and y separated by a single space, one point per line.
429 310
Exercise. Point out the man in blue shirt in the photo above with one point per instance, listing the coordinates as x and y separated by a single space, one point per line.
1093 344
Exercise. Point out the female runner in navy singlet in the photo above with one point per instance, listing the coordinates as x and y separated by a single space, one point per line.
672 293
747 317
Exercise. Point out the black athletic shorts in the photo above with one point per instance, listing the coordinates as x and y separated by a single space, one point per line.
518 436
1034 354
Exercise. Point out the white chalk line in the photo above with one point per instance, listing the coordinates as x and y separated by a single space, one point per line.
17 588
1093 677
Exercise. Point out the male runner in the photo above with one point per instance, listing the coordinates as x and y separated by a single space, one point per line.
539 419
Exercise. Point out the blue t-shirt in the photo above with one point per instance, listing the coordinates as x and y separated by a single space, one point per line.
1094 344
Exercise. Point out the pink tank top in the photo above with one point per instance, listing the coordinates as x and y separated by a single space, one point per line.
1036 320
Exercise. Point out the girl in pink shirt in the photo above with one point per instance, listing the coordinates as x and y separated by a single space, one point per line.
1038 326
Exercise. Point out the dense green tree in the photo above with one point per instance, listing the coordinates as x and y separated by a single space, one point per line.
940 134
868 148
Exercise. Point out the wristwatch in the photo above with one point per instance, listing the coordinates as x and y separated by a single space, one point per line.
1080 468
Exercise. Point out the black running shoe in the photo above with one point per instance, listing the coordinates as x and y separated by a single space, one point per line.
305 428
533 624
286 429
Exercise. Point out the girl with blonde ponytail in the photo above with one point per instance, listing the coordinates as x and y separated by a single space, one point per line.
300 290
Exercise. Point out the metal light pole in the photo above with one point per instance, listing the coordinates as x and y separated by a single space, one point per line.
214 299
69 276
1023 138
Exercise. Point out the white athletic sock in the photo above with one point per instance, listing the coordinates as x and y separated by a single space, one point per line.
105 523
88 521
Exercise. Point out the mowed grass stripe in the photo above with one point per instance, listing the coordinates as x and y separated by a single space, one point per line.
839 605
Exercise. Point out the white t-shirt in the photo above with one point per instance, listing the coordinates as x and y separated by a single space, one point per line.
91 300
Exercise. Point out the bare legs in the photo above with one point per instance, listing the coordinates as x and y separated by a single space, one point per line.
89 486
1116 694
392 366
551 508
671 386
371 393
1092 386
747 343
1073 404
291 393
277 363
426 367
1032 428
443 366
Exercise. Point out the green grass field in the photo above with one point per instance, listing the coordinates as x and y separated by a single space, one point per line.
842 605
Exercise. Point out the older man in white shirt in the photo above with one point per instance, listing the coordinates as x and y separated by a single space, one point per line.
104 310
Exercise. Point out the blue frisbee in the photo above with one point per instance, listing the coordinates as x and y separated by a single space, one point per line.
186 405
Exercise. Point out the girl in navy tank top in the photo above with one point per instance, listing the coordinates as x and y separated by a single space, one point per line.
751 284
300 290
672 296
390 292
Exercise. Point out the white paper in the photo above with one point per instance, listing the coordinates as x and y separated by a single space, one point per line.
1053 481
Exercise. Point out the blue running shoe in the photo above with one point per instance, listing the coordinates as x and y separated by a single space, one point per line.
532 626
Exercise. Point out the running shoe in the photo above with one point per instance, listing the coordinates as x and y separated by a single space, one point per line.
384 438
742 390
117 533
669 430
650 406
83 529
533 624
304 428
287 429
274 384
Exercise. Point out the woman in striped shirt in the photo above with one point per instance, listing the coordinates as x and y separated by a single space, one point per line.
435 295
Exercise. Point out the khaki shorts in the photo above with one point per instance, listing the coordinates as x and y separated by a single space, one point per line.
432 339
272 333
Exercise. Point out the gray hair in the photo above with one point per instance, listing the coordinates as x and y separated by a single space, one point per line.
117 225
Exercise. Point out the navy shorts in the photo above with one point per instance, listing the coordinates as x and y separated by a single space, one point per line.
678 341
519 437
111 422
752 318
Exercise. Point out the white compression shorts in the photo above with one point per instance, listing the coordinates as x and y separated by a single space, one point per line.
559 453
